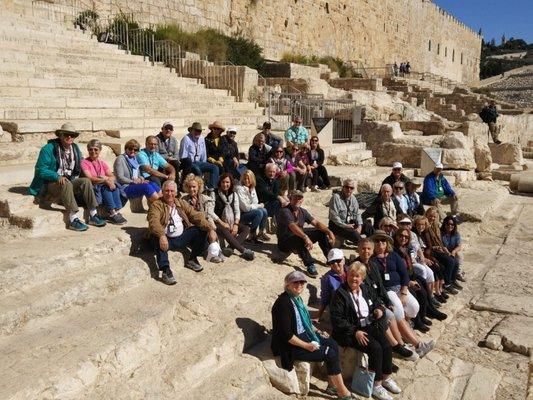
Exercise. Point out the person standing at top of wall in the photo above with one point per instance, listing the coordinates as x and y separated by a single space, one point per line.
407 68
395 68
296 134
489 115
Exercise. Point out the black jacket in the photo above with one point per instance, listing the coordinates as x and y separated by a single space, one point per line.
266 189
229 148
283 328
344 318
375 284
211 148
257 159
321 158
391 180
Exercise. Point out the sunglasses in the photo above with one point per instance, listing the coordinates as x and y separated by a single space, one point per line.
388 226
135 149
93 149
314 140
398 187
349 187
381 240
197 130
69 135
232 133
396 169
300 282
169 128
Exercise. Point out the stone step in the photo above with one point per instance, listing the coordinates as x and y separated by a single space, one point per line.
527 154
137 332
16 173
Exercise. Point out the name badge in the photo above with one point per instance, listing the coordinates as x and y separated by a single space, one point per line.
375 286
172 229
387 277
369 302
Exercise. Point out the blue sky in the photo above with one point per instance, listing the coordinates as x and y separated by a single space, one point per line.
495 17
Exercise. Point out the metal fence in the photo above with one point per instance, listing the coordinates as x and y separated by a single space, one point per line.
309 106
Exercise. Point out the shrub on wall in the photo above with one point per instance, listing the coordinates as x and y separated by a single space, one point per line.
335 64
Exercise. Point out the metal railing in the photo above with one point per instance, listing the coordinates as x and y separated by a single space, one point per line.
310 106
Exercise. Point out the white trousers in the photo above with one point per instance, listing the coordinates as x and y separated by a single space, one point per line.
400 311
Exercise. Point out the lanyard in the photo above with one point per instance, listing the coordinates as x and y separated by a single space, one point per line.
355 300
170 219
383 262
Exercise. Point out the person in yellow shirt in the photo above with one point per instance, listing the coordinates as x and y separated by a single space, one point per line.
213 144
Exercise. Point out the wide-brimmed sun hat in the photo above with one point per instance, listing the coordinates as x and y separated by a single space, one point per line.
196 126
67 128
295 276
217 125
381 235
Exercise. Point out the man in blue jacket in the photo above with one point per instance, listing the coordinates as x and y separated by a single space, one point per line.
437 191
57 176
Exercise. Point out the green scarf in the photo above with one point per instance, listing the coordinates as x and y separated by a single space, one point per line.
304 316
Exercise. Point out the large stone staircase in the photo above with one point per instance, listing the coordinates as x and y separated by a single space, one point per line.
51 73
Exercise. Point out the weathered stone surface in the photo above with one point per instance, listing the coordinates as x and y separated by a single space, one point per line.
409 155
5 137
515 333
482 384
460 176
458 159
506 153
493 342
482 156
377 133
455 140
428 127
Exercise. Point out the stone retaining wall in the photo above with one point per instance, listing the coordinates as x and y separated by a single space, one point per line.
375 33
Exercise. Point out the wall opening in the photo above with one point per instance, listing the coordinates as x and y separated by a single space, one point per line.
438 48
462 58
429 46
445 52
327 8
453 55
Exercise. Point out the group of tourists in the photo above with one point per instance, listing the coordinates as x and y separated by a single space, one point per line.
408 260
402 70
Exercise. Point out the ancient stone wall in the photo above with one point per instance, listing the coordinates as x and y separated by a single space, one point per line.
373 32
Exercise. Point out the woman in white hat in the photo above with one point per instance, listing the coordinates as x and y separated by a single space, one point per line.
294 337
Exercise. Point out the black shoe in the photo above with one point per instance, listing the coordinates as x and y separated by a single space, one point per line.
402 351
421 327
168 277
426 321
457 286
460 277
437 315
498 141
450 289
435 302
445 295
395 368
440 298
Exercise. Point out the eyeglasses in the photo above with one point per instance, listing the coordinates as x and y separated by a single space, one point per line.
197 131
398 187
135 149
314 140
69 135
349 187
300 282
232 133
93 149
396 169
169 128
403 237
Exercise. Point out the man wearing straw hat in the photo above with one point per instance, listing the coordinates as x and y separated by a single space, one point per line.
57 175
192 146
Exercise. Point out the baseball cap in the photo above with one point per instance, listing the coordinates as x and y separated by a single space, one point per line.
397 165
439 165
232 128
295 276
335 255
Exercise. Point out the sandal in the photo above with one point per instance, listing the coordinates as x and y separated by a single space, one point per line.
331 390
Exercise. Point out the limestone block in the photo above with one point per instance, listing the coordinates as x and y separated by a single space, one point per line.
408 154
369 114
482 384
506 153
458 159
377 133
5 137
395 117
349 359
296 381
428 127
525 184
455 140
460 176
473 117
482 155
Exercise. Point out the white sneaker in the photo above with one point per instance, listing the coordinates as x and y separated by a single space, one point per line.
315 189
413 356
425 347
380 393
391 386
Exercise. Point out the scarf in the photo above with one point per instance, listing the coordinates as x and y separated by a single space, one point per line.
304 316
228 215
434 235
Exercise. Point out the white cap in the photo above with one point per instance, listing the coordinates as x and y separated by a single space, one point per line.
335 255
397 164
405 221
439 165
231 128
167 123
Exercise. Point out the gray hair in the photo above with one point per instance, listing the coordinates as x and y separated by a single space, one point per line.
150 137
297 118
170 183
385 186
94 143
271 165
349 182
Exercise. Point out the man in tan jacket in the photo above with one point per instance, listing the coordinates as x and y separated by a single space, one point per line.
175 225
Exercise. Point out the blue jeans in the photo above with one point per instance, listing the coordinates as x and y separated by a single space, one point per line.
147 189
255 219
111 198
198 168
192 237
